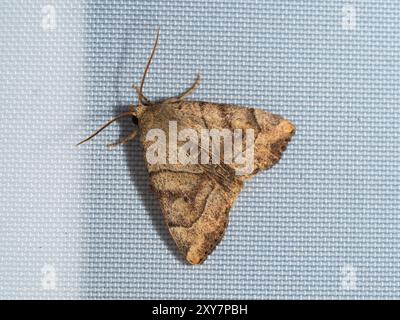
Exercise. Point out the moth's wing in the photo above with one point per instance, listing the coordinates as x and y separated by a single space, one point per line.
271 132
195 206
195 198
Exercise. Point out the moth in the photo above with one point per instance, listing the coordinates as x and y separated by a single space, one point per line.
196 198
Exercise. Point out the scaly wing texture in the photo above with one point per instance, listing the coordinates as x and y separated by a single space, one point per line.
195 198
272 133
196 208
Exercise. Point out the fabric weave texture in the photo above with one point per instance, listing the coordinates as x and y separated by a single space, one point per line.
83 222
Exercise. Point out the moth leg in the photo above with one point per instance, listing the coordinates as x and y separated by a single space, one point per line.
187 92
124 140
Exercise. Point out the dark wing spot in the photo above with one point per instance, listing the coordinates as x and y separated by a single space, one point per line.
279 146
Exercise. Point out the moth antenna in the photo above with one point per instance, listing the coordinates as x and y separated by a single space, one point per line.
187 92
191 89
122 115
124 140
153 51
139 94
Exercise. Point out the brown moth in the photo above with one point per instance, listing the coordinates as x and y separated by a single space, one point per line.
196 198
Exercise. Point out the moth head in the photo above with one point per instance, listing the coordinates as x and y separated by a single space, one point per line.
134 111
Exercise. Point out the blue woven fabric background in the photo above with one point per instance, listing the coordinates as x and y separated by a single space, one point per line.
83 223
